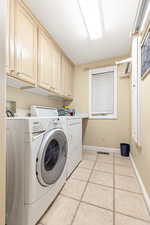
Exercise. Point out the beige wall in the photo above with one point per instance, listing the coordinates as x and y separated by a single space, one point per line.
3 13
2 148
141 155
103 133
25 99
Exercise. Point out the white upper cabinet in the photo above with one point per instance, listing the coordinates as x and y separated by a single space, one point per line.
56 68
67 78
45 79
25 46
33 56
49 63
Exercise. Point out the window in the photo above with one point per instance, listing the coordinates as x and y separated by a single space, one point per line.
103 93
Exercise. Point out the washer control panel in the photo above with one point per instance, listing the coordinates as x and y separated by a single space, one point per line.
37 127
54 123
44 124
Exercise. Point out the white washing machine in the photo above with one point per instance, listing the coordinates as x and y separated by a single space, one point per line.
36 167
72 126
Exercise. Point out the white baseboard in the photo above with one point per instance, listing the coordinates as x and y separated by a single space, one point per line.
146 196
96 148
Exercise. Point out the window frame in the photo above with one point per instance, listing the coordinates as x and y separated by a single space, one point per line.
136 81
104 70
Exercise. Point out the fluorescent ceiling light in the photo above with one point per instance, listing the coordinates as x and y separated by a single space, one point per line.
111 10
91 16
145 17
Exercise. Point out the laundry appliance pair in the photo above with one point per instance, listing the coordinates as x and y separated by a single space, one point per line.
37 152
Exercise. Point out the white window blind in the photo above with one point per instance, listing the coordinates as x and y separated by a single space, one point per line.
103 93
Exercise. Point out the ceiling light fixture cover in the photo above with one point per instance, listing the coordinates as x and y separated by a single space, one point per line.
91 15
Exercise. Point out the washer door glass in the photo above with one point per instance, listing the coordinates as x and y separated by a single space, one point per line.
52 157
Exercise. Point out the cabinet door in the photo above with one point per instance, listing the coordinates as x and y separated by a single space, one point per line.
67 77
25 45
44 61
56 70
75 144
70 80
63 75
10 51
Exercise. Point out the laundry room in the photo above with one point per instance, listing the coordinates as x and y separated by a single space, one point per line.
74 106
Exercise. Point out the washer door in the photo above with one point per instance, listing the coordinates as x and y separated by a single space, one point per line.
52 157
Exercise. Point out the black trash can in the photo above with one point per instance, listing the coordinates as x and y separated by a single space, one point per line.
125 149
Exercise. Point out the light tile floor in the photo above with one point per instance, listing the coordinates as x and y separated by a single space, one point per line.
103 190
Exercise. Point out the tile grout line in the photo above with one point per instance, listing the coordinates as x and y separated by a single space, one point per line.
133 217
102 185
132 192
140 188
113 211
114 189
102 171
97 169
88 203
114 199
83 192
121 189
124 175
134 177
101 161
100 207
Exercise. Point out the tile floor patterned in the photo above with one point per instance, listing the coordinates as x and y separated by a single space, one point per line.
103 178
99 196
81 174
91 215
127 183
87 164
91 157
124 170
103 190
74 188
105 167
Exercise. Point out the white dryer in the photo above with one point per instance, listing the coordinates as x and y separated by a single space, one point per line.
72 126
36 167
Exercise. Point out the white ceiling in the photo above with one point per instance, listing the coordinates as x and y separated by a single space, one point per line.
64 22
